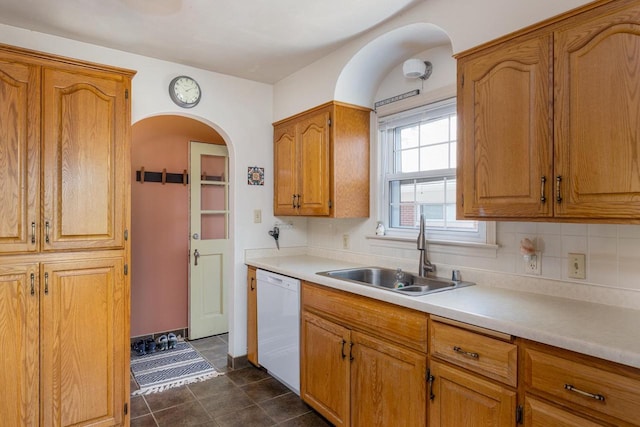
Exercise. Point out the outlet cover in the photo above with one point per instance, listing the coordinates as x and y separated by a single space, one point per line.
533 264
577 266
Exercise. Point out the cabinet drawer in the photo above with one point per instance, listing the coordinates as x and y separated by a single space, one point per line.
487 356
594 384
398 324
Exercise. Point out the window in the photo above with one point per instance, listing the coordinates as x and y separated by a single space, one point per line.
419 173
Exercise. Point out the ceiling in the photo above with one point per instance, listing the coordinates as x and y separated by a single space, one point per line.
261 40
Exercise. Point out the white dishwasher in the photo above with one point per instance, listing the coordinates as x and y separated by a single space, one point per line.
279 327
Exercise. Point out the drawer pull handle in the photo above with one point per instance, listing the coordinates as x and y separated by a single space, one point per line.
543 181
46 232
33 233
344 356
558 193
466 353
430 380
351 358
598 397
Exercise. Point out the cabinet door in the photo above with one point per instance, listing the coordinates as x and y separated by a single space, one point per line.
388 384
19 155
461 399
85 122
252 316
83 341
285 173
597 143
505 151
540 414
313 160
19 345
324 373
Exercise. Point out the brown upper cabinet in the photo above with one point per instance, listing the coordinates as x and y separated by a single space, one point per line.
548 120
321 162
62 130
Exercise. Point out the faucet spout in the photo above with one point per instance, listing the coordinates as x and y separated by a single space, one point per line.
424 265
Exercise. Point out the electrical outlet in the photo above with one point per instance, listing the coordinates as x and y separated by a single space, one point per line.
577 266
345 241
533 265
257 216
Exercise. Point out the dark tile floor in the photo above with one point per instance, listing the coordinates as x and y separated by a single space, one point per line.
242 397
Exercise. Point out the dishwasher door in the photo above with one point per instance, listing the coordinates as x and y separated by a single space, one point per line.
279 327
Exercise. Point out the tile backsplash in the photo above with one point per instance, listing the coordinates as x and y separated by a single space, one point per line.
612 256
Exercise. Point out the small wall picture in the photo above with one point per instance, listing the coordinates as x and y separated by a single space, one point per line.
255 176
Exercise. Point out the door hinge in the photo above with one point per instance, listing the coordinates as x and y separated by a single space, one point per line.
126 94
126 269
519 414
126 408
126 235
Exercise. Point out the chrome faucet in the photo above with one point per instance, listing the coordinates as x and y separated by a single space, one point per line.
425 266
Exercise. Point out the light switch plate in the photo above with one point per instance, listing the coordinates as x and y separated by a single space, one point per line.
257 216
577 266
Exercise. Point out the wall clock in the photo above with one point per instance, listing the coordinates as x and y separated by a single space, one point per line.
185 91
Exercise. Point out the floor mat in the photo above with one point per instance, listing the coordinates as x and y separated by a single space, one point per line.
166 369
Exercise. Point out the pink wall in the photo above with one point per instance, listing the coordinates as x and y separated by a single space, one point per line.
160 223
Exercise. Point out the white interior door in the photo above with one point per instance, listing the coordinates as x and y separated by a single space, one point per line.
210 247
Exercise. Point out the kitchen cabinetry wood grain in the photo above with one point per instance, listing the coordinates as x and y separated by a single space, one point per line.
542 138
321 162
19 307
505 114
359 375
64 288
19 154
324 376
252 316
597 152
586 386
458 397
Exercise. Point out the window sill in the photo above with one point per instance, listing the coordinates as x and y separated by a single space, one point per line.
437 246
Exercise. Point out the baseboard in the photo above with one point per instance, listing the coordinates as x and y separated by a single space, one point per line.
180 333
237 362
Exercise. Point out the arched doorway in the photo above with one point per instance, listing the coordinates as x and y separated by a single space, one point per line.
160 223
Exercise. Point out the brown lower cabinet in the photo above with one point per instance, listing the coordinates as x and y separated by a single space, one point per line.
252 316
458 398
355 377
64 351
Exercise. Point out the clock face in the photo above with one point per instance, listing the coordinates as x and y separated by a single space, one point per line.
184 91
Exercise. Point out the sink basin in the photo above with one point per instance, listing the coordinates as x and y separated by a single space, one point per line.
394 280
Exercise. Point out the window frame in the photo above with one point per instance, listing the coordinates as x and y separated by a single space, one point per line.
485 233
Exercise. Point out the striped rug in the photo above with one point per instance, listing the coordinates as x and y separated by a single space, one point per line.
163 370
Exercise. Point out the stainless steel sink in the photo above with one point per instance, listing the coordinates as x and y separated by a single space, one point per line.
394 280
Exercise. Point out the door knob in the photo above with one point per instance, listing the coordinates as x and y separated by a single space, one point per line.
196 236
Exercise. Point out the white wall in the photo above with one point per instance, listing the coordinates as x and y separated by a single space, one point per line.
612 251
240 110
468 24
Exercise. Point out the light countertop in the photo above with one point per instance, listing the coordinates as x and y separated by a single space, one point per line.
599 330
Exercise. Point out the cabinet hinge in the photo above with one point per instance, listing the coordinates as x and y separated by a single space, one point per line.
126 269
462 200
428 374
126 94
126 235
330 204
519 414
329 122
462 80
126 408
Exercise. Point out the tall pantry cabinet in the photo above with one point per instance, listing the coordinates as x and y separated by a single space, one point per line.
64 254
